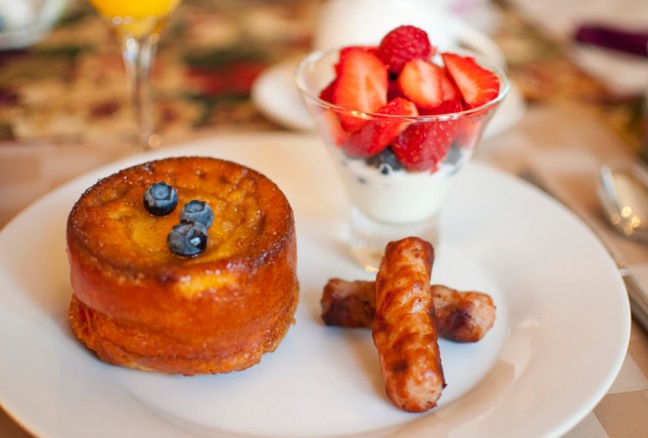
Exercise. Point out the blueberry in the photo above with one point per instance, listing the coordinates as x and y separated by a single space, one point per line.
197 211
187 238
386 161
160 199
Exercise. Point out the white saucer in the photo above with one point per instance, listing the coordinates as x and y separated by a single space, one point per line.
275 94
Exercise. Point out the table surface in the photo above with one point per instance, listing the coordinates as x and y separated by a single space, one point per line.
64 110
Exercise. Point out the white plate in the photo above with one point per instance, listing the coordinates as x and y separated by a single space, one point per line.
276 96
559 340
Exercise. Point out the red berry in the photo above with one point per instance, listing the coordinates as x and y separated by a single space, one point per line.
377 134
361 85
422 146
446 107
327 93
448 87
420 82
469 130
402 45
332 128
392 90
477 85
352 50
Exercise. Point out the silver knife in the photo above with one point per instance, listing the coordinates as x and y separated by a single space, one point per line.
637 295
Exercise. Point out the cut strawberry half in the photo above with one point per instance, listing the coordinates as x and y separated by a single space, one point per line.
352 50
476 84
327 92
420 82
377 134
448 88
331 124
361 85
392 90
422 146
446 107
470 128
333 128
402 45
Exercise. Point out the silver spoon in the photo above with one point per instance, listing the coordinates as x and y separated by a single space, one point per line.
623 192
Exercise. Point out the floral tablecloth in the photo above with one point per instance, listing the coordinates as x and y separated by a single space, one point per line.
70 88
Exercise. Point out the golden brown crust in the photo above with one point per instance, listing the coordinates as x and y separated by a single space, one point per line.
138 346
460 316
404 331
127 281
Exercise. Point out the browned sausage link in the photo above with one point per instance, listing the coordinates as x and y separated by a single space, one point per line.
460 316
404 330
349 303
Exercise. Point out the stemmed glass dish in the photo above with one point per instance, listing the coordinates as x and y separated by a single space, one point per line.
137 24
389 200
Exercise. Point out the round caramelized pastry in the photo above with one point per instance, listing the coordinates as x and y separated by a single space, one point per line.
137 304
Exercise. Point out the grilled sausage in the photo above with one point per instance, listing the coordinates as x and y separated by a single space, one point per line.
404 329
460 316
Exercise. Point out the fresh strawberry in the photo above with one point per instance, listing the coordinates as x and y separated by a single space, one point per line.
352 50
420 82
333 128
361 85
327 92
402 45
446 107
392 90
477 85
422 146
377 134
469 130
448 88
451 102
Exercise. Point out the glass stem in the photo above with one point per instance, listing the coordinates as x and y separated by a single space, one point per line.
138 53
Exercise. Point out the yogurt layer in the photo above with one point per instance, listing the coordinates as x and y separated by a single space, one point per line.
395 197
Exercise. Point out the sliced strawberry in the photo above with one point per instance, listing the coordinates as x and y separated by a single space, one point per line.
420 82
469 131
477 85
333 128
422 146
377 134
446 107
402 45
448 88
452 101
327 92
351 50
361 85
392 90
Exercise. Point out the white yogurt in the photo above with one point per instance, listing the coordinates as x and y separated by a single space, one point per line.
397 197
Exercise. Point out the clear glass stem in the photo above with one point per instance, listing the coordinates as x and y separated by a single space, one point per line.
138 54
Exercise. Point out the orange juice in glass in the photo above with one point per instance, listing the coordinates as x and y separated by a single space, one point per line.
138 24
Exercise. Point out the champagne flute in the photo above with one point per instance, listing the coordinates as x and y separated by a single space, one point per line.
137 25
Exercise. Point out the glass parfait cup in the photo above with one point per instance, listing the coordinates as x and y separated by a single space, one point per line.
387 199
